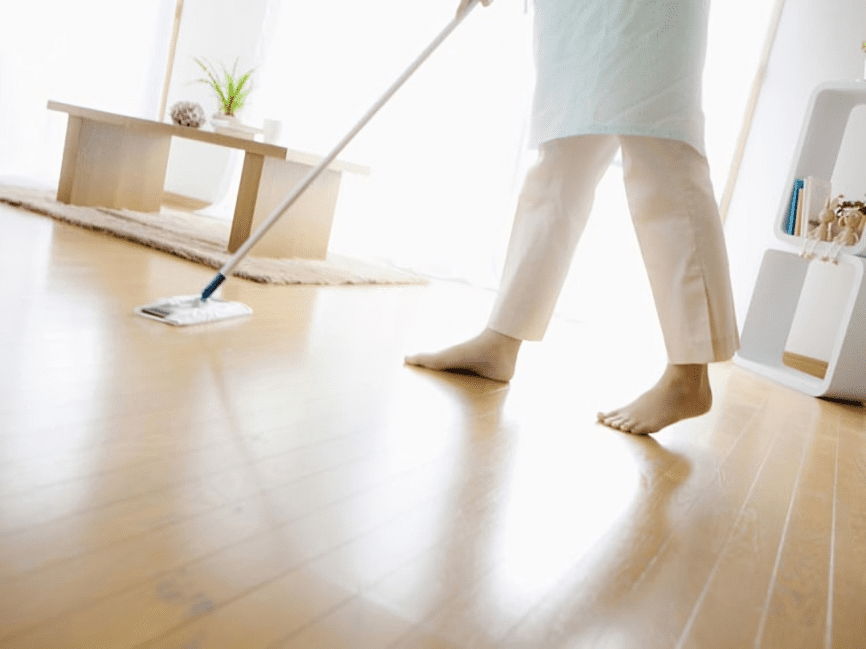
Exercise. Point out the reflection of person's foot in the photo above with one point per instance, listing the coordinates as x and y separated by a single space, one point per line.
490 354
681 393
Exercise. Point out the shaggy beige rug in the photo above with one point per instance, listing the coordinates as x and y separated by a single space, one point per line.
202 239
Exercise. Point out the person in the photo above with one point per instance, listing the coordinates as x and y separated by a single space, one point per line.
617 74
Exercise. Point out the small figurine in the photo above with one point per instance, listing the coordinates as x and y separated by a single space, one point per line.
824 230
851 224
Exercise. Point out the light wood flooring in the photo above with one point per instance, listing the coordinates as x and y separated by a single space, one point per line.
285 482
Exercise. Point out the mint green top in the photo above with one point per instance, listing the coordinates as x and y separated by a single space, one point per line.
626 67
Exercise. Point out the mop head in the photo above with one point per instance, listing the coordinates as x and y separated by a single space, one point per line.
191 309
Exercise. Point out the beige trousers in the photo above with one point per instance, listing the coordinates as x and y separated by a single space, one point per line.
678 228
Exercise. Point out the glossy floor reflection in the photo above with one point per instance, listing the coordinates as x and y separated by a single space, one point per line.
284 481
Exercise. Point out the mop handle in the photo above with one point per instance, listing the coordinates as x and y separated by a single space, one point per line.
314 173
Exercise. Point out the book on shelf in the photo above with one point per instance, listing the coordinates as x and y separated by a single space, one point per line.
808 198
798 218
790 223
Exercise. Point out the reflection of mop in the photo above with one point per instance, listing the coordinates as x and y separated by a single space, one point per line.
195 309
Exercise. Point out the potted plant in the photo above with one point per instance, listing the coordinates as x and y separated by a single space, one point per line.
231 90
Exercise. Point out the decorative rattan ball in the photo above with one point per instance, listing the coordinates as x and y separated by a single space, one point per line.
188 113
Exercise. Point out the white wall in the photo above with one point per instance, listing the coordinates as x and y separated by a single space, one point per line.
816 41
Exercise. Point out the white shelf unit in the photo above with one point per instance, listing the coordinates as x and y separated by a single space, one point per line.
786 280
821 137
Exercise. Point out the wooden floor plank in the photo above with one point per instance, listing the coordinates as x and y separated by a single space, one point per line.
848 615
569 608
145 468
382 498
260 618
795 613
138 514
310 510
359 624
585 602
728 610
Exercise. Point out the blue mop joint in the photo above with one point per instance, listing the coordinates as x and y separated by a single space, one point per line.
214 285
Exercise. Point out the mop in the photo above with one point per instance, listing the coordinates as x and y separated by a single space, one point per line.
199 309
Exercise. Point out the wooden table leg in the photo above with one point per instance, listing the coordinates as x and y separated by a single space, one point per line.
70 157
248 194
108 165
305 230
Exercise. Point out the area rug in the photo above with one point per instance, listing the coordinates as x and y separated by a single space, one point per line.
202 239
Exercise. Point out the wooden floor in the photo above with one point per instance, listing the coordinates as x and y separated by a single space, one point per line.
284 481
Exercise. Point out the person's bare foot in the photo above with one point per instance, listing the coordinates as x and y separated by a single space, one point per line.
490 354
682 392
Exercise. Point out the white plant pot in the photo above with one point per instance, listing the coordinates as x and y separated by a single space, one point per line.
231 125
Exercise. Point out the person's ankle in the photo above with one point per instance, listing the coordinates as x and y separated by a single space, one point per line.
687 373
503 341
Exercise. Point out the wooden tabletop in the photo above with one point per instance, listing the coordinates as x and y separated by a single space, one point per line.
165 128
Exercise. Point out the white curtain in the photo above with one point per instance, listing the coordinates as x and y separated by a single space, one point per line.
446 153
100 53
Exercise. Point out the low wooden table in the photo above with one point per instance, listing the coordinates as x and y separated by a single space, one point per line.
117 161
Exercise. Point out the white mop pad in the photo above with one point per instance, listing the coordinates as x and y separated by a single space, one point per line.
191 309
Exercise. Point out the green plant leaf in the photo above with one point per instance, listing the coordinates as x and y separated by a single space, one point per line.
230 91
243 81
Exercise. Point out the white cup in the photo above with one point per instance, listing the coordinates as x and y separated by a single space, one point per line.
272 129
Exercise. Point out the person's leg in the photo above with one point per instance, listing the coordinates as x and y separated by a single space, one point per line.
682 242
552 211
